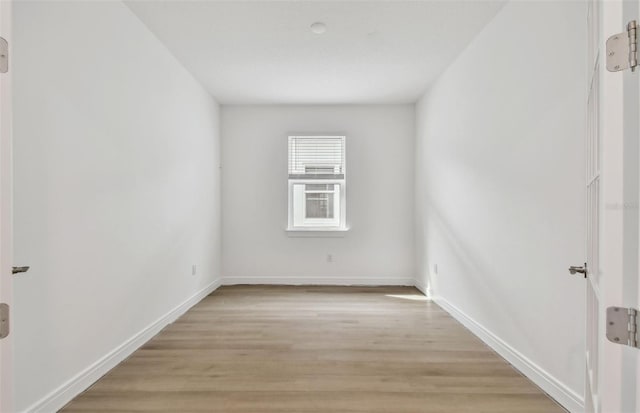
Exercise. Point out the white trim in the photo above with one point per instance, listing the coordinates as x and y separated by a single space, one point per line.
58 398
422 288
341 281
552 386
6 211
317 232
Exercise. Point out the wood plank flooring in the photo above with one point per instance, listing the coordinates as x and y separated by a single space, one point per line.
278 349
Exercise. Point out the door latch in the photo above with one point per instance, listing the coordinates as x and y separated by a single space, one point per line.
18 270
582 270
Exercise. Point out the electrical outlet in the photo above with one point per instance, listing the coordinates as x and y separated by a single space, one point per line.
193 269
329 257
435 268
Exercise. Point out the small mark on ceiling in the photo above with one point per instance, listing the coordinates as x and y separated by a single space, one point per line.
318 28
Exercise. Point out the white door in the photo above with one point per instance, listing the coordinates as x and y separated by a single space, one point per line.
5 211
613 216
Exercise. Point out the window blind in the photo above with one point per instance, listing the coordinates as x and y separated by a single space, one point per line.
316 157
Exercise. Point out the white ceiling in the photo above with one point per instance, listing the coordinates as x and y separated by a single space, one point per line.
250 52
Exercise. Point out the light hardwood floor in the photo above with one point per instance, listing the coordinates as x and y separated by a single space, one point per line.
259 349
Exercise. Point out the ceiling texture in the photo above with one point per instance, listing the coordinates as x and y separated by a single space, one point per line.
264 52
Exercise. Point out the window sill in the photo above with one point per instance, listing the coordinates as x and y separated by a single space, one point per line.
317 232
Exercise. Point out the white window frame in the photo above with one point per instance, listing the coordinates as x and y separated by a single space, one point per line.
342 183
318 227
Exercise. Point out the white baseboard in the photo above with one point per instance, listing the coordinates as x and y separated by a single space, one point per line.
55 400
364 281
422 287
552 386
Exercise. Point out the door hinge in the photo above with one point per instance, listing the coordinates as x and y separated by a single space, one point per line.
622 49
622 326
4 320
4 55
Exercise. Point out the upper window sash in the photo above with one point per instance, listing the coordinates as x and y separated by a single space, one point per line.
316 157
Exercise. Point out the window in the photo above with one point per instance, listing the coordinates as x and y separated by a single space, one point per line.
316 183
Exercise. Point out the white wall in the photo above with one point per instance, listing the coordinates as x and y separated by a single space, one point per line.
378 249
117 157
500 189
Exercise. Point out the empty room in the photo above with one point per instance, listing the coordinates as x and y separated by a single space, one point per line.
319 206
